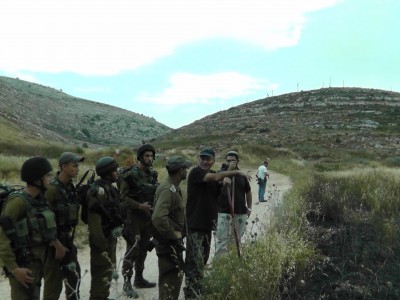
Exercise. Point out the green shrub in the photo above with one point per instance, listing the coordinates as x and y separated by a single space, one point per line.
86 132
341 194
263 270
10 168
79 150
392 161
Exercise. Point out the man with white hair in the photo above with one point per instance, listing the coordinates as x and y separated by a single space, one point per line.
262 176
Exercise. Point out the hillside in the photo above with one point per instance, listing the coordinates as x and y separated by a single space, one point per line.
328 125
48 114
354 122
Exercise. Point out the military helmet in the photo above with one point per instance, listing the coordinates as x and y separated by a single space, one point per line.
35 168
232 153
105 165
142 149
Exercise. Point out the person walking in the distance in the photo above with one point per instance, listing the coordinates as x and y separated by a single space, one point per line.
262 177
234 205
169 222
201 212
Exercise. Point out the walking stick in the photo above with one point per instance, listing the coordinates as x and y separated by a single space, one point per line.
231 200
233 195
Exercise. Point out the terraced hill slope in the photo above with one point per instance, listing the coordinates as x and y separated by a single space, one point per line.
313 124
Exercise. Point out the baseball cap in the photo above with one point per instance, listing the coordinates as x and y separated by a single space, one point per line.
207 152
67 157
177 162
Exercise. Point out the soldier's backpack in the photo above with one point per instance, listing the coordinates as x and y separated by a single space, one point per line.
6 190
122 173
83 189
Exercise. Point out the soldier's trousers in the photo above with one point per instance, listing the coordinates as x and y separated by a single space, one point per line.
19 292
56 274
198 245
136 246
39 268
170 274
102 266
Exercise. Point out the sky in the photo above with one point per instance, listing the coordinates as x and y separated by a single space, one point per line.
181 60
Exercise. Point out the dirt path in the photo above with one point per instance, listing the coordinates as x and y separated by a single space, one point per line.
276 187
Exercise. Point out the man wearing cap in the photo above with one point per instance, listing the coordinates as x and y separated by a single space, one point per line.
62 198
201 212
170 228
234 203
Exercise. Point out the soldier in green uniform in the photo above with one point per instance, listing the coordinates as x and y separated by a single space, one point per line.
62 198
28 243
104 217
170 228
137 187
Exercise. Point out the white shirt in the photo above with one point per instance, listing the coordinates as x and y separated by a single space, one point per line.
262 172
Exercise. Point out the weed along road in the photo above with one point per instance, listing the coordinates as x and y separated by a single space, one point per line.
277 185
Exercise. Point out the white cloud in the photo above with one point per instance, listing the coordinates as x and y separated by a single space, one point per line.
204 89
105 37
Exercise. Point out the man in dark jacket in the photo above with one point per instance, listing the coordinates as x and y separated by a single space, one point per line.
201 211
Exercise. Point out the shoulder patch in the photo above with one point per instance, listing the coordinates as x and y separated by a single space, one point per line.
100 191
172 189
54 182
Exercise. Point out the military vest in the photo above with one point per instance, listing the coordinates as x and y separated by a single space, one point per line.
107 204
142 184
66 207
37 227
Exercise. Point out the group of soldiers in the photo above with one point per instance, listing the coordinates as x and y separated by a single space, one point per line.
38 224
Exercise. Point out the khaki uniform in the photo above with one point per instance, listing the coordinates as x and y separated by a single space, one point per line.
103 218
34 237
63 201
136 187
169 222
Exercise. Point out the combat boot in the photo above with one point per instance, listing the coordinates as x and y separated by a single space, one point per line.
142 283
128 289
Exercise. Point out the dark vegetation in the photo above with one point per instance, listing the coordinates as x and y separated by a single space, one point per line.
353 220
